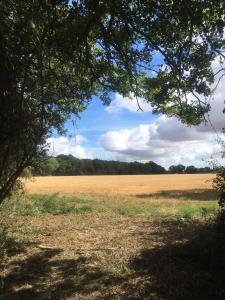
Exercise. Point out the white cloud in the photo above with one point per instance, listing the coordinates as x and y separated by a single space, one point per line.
128 103
168 141
145 142
65 145
80 139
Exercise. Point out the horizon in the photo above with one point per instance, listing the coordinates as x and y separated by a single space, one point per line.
121 132
135 161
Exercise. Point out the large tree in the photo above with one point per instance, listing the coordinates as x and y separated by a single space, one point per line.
55 55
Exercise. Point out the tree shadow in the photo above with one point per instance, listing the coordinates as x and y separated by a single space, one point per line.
177 261
194 194
190 264
46 275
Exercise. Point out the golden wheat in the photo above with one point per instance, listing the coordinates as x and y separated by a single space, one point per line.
119 185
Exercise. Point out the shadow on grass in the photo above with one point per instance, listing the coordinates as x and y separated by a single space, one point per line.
45 275
176 261
196 194
189 264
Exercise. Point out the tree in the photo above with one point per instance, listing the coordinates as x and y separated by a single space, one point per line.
68 165
178 169
191 170
47 167
48 71
155 168
56 56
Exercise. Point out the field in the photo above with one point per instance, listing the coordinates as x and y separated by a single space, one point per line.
119 185
113 237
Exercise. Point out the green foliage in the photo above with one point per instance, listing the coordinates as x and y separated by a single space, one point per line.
70 165
220 222
66 165
191 211
55 56
180 169
191 170
219 185
46 166
177 169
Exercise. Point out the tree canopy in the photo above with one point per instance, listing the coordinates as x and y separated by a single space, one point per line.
55 55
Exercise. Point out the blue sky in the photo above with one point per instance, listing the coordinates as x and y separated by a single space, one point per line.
96 120
121 132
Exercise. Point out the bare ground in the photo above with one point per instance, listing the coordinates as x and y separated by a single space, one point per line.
84 257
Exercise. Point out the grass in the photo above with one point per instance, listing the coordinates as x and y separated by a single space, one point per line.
56 204
191 211
168 211
35 205
80 246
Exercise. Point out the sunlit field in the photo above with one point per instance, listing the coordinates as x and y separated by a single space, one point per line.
112 237
119 185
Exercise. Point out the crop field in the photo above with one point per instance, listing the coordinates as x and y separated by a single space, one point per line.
119 185
112 237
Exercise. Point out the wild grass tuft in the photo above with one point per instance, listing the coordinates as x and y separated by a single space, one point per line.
38 204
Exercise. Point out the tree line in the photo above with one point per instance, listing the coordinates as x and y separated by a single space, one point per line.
68 165
56 55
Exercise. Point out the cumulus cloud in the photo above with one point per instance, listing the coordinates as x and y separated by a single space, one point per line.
171 129
145 142
167 140
131 104
216 117
80 139
66 145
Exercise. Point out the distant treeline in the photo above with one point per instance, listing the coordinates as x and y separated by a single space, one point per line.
68 165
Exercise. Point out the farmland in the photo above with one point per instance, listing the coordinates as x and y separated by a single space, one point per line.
119 185
112 237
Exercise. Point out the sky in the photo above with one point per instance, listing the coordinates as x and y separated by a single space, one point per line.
121 132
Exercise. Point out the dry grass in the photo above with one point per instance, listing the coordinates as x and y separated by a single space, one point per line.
144 237
119 185
107 257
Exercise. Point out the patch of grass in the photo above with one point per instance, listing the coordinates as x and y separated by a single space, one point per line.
137 210
53 204
38 204
27 234
166 211
33 205
82 209
191 211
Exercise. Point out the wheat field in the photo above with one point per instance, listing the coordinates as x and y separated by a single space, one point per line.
119 185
